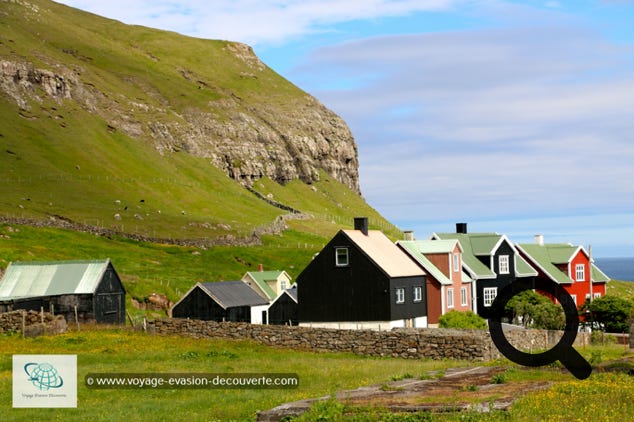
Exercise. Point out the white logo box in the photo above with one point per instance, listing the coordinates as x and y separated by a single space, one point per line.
44 381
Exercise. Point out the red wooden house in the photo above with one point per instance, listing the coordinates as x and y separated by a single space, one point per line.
568 265
448 287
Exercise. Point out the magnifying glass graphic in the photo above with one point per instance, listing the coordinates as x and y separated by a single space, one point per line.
563 351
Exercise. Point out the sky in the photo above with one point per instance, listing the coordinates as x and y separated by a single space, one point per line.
515 117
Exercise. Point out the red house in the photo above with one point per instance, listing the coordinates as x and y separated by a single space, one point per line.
568 265
448 287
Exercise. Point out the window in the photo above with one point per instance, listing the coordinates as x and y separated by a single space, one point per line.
503 265
418 294
283 285
489 295
463 296
597 295
574 298
580 272
400 295
341 257
450 297
456 263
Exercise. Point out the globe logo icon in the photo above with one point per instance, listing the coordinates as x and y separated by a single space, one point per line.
44 376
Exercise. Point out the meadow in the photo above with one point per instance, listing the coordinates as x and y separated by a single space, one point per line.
604 396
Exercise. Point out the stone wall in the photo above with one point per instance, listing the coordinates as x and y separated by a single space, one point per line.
31 322
434 343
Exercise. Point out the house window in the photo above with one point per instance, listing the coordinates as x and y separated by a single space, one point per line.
283 285
580 272
463 296
418 294
503 266
400 295
450 297
587 297
574 298
456 263
341 257
489 295
597 295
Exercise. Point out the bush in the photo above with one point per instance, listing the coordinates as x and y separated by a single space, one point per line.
462 320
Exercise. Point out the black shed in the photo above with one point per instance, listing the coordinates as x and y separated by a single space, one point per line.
283 309
221 301
90 290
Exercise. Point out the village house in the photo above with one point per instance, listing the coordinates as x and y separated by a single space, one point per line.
361 279
448 287
568 265
268 284
79 290
221 301
491 260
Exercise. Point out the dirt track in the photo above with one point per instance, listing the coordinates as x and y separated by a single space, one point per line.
459 389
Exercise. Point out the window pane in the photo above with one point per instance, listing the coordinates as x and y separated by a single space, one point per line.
341 256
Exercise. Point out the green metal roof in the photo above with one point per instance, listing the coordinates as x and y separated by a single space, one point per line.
541 256
469 259
484 244
416 248
261 278
35 279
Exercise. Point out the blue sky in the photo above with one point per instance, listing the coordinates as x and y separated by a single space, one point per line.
512 116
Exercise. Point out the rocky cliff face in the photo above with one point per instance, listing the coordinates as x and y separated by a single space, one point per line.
246 140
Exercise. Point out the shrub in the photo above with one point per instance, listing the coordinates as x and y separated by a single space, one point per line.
462 320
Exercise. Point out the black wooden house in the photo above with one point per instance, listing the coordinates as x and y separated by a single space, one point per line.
361 279
86 290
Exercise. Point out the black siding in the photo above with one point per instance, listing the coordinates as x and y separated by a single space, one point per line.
199 305
359 291
283 310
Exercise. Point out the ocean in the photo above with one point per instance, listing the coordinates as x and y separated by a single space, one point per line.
617 268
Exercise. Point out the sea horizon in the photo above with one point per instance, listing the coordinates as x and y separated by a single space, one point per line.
617 268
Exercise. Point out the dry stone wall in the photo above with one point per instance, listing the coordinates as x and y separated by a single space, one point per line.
30 323
433 343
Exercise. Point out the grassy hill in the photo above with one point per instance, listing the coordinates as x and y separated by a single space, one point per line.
71 161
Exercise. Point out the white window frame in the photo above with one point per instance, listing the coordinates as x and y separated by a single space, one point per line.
464 301
450 300
456 262
418 294
574 299
580 272
400 295
339 254
283 285
597 295
504 266
488 295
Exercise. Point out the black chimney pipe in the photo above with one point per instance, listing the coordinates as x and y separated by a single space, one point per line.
361 223
461 228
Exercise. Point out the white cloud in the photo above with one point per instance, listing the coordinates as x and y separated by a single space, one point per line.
253 21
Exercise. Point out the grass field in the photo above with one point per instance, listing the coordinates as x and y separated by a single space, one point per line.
112 350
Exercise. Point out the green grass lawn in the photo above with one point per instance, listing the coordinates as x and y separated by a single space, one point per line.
116 350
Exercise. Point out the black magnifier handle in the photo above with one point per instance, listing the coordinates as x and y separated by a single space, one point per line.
574 362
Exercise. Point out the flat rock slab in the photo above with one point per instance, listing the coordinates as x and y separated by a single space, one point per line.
457 390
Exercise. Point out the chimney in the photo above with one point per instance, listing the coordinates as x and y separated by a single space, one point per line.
260 267
461 228
539 239
361 223
408 235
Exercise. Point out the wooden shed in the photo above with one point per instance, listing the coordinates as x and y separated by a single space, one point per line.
221 301
283 310
88 290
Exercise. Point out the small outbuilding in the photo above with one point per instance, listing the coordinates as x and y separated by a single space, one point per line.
221 301
86 290
283 310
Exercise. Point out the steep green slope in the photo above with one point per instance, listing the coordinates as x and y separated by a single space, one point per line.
98 127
